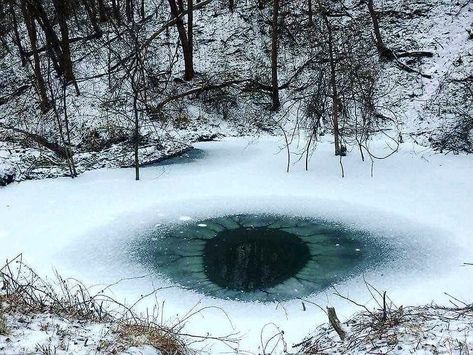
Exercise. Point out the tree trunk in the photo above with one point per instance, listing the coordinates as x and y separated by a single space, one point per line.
61 10
2 18
129 10
383 51
116 10
102 11
40 84
136 136
91 13
335 323
52 41
310 12
17 38
186 47
190 35
70 155
333 84
274 57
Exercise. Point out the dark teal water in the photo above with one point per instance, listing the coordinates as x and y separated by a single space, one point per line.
192 155
258 257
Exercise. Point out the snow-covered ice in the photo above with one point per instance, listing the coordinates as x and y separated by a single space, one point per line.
418 201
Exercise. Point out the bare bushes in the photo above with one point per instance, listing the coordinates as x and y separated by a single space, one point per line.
343 94
453 107
24 292
389 328
337 89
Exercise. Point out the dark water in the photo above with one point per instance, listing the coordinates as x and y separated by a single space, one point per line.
250 259
258 257
190 156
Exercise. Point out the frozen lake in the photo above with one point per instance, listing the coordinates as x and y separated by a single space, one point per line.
418 205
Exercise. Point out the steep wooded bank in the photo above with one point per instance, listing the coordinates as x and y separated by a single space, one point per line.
97 83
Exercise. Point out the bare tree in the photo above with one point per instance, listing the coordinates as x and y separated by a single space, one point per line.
274 57
383 51
39 79
184 37
61 13
334 85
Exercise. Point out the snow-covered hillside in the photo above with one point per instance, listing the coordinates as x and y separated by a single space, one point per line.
233 47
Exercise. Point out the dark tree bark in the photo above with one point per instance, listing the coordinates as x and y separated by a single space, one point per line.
310 12
142 9
190 33
17 38
136 135
333 84
335 323
4 25
383 51
129 10
91 13
116 10
61 9
186 46
70 155
52 41
32 34
102 11
274 57
180 6
2 15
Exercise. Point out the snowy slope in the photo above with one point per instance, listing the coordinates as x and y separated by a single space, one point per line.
232 46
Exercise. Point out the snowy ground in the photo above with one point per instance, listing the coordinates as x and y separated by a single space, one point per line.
417 201
48 334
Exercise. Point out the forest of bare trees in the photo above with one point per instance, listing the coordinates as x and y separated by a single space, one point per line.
133 66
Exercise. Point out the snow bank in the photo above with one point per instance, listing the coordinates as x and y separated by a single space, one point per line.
7 174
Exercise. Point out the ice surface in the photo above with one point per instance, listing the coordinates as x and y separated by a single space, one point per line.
272 257
416 200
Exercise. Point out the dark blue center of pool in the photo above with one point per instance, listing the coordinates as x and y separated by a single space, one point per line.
250 259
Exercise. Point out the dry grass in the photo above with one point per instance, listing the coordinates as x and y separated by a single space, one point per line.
156 336
23 291
3 321
388 328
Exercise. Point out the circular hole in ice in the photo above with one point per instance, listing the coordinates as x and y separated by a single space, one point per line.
258 257
250 259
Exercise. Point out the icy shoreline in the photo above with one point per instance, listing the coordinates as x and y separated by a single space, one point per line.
19 163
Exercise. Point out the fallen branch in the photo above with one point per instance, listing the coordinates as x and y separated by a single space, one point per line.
59 150
409 69
402 54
